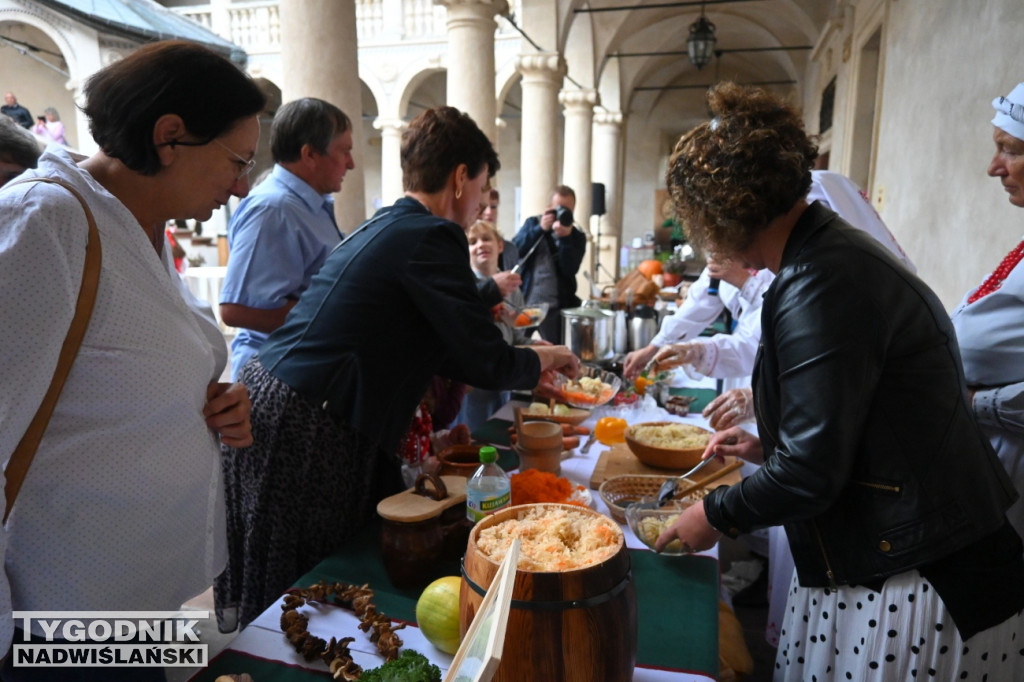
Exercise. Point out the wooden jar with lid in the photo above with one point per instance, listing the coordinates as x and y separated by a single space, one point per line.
423 527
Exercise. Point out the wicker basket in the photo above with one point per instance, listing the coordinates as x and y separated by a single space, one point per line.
620 491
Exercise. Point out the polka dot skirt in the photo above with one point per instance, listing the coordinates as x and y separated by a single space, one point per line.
902 633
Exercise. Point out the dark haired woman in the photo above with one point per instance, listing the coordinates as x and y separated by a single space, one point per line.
122 507
893 502
335 388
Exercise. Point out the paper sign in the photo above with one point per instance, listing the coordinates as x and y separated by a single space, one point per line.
480 652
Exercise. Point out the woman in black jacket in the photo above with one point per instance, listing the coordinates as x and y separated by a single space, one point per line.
335 388
892 499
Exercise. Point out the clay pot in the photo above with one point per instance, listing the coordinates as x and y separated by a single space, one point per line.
459 460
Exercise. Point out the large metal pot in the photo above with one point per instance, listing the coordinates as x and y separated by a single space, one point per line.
589 332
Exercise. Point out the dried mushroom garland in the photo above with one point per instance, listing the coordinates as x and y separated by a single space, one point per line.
336 653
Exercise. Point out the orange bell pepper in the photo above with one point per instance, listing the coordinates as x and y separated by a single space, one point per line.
610 430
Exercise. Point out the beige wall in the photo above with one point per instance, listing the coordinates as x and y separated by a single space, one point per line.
942 63
942 69
37 86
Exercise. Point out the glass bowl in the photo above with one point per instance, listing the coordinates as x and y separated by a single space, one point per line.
571 393
647 521
526 318
536 313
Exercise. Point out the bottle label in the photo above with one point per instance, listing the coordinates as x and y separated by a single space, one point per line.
479 507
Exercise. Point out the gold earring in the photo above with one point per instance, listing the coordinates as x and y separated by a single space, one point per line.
458 193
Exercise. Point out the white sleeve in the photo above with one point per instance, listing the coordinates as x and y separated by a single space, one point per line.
841 195
729 356
696 313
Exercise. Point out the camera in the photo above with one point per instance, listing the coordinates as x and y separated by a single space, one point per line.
563 216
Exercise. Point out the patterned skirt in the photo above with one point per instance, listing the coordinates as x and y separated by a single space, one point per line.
306 485
903 632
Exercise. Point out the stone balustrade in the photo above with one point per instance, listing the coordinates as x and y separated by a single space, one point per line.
255 26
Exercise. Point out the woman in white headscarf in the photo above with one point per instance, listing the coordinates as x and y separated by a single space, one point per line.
988 320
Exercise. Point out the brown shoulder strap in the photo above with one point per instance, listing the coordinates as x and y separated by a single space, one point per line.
21 459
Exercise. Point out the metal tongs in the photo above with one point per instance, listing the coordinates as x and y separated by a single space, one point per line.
519 266
669 487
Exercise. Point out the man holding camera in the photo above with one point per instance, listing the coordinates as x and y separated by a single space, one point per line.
553 248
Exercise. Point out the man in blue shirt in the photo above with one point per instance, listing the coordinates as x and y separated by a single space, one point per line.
284 229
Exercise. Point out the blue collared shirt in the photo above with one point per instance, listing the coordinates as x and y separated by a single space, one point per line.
278 239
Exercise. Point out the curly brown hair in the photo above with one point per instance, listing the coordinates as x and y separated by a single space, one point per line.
736 173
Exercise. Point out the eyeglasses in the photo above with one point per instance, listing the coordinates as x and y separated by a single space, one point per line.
247 164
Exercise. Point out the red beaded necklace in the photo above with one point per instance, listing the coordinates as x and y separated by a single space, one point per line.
995 280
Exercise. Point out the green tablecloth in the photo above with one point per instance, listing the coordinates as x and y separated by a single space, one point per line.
494 431
703 395
677 603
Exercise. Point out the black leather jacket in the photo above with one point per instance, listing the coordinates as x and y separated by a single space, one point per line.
872 459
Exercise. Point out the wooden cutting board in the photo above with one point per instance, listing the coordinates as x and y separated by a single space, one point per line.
618 460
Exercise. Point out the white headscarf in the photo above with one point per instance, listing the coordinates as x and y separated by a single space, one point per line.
843 196
1010 112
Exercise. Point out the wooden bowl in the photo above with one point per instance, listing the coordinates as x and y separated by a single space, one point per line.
665 458
540 435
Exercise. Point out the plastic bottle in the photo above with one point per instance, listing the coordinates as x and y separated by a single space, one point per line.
489 489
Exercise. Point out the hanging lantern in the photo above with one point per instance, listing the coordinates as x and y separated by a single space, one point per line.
701 43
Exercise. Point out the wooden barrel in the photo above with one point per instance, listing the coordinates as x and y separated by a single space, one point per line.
573 626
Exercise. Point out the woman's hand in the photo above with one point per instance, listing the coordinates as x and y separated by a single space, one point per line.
735 442
637 360
507 282
731 408
227 412
557 358
692 529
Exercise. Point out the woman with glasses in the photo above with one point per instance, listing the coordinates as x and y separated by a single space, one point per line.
122 506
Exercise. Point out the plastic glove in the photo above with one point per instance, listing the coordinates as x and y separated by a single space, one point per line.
676 354
733 407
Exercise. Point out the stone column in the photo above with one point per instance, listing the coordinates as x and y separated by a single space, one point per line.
542 78
390 159
471 28
319 55
579 118
607 165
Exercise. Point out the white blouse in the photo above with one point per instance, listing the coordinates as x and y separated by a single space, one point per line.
122 508
990 333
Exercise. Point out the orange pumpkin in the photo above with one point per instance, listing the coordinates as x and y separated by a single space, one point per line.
650 268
